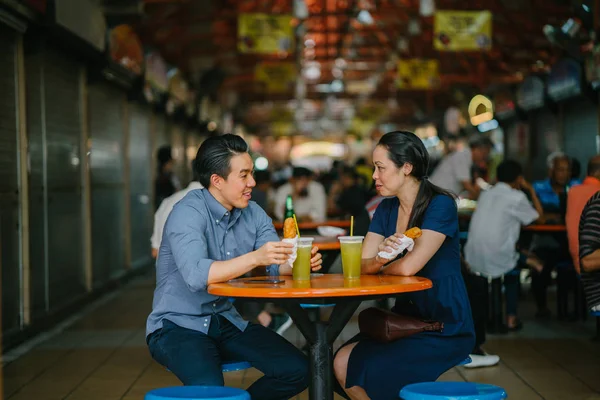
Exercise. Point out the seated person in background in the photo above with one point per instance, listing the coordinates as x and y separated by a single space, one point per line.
589 251
491 252
213 235
552 191
552 249
454 173
347 197
262 192
365 368
576 201
160 216
310 200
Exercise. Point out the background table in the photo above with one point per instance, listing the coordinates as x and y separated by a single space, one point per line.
314 225
321 289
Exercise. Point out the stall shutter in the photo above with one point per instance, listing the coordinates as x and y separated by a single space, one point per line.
106 105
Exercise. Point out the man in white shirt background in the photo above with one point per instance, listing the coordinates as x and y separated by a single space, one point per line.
160 216
309 197
453 173
491 250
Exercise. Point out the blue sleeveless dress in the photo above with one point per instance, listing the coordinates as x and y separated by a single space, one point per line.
383 369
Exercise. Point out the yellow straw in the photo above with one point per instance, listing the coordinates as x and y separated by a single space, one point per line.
297 229
352 225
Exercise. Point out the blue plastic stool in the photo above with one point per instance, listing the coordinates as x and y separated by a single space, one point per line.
311 306
465 362
235 366
452 391
197 393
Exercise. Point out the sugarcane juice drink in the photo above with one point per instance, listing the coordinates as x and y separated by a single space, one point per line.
351 247
301 268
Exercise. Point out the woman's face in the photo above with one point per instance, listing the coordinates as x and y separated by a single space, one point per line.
388 178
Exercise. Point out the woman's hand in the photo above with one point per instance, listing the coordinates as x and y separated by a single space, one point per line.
391 243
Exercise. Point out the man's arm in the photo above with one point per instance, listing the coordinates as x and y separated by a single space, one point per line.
591 262
186 232
474 190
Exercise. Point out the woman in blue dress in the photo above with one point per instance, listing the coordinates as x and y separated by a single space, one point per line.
367 369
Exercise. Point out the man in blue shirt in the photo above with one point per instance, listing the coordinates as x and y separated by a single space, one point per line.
552 249
213 235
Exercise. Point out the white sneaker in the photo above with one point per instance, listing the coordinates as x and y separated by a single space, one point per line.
595 308
486 360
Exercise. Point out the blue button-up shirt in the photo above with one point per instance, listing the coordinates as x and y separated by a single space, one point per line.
549 199
198 232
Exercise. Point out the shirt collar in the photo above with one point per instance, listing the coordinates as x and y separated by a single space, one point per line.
195 185
590 180
218 211
503 185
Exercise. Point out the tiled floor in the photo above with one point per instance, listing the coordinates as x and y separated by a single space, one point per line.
103 357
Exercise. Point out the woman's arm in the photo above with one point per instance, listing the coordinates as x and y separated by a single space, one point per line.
425 248
373 244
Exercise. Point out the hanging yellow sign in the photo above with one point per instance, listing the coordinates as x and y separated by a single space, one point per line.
418 74
462 30
278 77
265 34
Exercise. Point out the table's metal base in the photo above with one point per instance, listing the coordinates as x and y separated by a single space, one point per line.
320 336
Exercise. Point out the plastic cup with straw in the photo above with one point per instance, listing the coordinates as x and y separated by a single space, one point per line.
351 248
301 268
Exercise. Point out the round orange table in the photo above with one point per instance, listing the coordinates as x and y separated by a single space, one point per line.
322 289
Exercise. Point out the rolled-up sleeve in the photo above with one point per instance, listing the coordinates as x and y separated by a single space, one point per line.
185 230
265 232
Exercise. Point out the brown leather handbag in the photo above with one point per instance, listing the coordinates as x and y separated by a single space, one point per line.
385 326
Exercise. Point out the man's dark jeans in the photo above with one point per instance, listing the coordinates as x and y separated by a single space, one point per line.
195 358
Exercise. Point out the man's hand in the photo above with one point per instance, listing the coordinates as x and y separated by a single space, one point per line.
273 253
525 185
316 262
154 253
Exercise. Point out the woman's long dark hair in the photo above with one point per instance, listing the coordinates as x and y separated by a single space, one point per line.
406 147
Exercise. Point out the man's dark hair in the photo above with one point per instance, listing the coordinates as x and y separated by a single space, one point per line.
479 141
214 156
508 171
593 167
302 172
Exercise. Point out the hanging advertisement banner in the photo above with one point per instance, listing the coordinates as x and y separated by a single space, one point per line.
418 74
462 30
277 77
265 34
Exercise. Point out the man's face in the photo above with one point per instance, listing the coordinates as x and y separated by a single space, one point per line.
561 172
236 189
300 185
480 154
